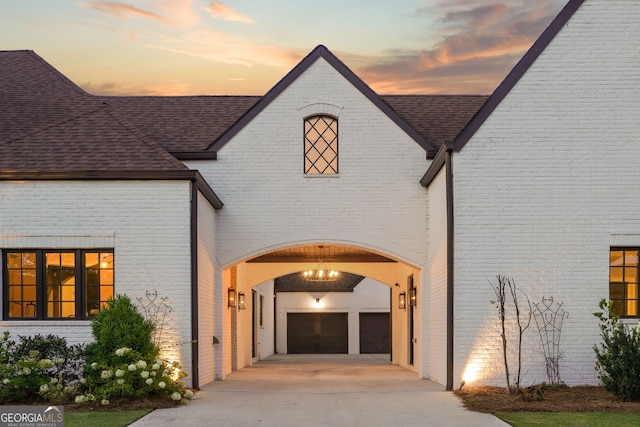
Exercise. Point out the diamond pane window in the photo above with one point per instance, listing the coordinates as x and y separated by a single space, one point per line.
320 145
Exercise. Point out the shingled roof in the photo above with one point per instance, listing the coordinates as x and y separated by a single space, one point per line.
49 123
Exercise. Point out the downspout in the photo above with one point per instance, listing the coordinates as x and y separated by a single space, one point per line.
195 372
450 254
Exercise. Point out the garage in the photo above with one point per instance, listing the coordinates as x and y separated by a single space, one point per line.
374 333
317 333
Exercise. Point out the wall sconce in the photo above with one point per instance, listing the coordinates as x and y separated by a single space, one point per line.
413 300
231 297
402 301
241 301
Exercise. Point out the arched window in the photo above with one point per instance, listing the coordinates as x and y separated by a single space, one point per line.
320 145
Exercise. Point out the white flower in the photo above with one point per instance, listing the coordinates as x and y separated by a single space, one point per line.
149 381
155 366
106 374
175 396
90 397
120 381
54 381
83 380
58 360
188 394
5 381
44 388
132 367
162 384
144 374
152 373
94 365
81 399
141 364
26 371
120 373
45 364
122 351
105 402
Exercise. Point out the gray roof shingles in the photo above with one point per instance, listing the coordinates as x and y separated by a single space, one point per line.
49 123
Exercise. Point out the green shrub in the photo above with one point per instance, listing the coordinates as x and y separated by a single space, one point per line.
38 368
123 362
618 357
120 325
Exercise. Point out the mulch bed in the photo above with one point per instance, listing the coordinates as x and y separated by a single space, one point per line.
544 399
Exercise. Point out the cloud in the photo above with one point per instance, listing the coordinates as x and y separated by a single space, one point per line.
123 11
227 48
222 11
480 43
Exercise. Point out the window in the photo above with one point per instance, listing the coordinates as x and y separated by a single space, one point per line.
623 281
320 145
56 284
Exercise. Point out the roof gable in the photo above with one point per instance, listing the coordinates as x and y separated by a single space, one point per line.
321 52
516 73
502 90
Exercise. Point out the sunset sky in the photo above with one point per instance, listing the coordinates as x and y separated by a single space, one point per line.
244 47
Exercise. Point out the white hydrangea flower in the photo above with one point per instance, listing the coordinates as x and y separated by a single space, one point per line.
81 399
153 373
120 381
106 374
6 381
141 364
144 374
120 373
162 384
188 394
58 360
45 364
105 402
94 365
175 396
149 381
83 380
155 366
44 388
132 367
54 381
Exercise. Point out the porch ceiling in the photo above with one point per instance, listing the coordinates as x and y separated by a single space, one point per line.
328 253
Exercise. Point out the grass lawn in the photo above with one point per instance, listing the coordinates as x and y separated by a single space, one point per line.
103 418
590 419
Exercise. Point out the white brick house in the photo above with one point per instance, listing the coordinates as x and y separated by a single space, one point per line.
193 196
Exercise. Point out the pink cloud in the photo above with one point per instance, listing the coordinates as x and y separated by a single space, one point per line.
222 11
123 11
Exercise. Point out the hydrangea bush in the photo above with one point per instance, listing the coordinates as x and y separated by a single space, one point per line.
39 368
123 362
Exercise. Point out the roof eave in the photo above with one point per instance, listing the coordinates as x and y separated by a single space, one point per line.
113 175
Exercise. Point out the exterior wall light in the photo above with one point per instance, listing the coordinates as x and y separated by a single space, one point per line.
402 301
241 301
413 300
231 297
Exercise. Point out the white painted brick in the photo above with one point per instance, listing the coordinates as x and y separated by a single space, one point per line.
544 184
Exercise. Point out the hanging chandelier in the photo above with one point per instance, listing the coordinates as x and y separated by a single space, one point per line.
320 273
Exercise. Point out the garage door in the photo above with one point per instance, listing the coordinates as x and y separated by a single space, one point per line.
374 333
317 333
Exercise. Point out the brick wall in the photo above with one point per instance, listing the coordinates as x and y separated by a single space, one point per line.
546 185
146 222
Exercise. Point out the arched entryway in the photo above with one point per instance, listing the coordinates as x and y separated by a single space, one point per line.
280 311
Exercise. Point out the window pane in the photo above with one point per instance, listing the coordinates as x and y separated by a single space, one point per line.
106 277
106 292
631 257
616 291
321 145
616 274
20 271
98 275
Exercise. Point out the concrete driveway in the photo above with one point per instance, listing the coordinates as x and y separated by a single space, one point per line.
321 390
